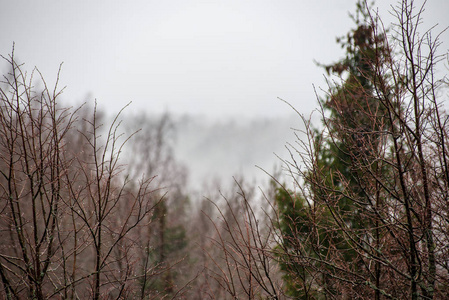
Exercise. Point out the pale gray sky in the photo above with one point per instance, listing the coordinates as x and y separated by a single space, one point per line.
220 58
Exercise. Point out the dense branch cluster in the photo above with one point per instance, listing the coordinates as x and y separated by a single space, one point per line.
71 225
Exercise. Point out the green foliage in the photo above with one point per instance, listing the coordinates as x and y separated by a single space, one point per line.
355 115
309 227
170 242
304 230
294 225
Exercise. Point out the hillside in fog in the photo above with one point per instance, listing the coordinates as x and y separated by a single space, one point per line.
218 150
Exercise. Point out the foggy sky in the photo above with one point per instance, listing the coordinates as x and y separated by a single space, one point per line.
219 58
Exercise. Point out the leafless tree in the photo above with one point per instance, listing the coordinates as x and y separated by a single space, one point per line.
70 217
240 257
166 241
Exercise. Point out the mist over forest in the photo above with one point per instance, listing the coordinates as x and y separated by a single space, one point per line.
220 150
214 152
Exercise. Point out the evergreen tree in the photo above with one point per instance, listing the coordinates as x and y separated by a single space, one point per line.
350 109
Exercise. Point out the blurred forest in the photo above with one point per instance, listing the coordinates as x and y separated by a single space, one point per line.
99 208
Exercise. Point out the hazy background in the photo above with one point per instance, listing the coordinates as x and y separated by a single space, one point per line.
217 66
